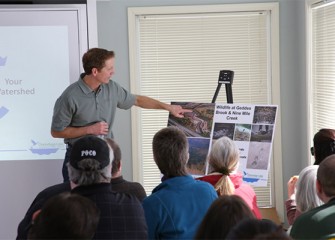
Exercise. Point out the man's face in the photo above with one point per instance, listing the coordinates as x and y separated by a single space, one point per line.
106 72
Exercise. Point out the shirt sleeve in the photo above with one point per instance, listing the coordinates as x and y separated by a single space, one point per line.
62 114
291 209
125 99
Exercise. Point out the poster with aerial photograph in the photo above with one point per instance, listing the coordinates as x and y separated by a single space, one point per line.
251 127
197 125
198 150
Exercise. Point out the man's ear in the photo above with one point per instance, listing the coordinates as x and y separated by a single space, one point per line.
35 214
94 71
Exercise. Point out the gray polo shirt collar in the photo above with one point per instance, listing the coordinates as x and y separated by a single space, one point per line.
84 87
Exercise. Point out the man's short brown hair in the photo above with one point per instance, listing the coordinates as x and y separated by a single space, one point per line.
96 58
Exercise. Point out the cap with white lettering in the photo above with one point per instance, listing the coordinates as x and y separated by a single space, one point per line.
90 147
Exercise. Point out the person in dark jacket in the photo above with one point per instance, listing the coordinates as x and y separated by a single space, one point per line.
118 183
90 165
65 216
37 204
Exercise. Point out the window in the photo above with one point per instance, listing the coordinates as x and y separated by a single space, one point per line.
176 54
321 65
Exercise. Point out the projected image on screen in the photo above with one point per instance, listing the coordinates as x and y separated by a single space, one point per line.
38 60
34 70
39 57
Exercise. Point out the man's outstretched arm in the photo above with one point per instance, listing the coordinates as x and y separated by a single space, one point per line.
150 103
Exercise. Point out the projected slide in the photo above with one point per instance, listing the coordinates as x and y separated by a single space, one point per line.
34 70
40 55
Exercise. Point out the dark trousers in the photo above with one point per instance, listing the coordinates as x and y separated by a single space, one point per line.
66 160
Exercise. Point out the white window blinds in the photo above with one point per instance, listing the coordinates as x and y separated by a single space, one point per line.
323 66
177 58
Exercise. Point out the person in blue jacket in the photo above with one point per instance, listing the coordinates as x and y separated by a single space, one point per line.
176 206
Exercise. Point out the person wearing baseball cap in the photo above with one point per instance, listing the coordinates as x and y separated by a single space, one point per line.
90 161
90 167
122 216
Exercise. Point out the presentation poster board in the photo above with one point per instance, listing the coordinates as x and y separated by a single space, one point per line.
251 127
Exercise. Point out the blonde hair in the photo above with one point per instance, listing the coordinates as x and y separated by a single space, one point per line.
223 158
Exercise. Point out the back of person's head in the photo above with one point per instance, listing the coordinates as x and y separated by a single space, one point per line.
280 234
117 155
323 144
253 228
306 194
170 151
326 176
95 58
90 161
223 158
223 214
66 216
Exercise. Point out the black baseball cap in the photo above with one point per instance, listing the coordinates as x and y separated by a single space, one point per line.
90 147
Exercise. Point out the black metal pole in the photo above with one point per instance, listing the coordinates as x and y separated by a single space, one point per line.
216 92
229 93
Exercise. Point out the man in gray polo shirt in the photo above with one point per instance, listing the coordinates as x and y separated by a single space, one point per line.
87 107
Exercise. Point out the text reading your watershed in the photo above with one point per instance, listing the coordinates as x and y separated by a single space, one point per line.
14 89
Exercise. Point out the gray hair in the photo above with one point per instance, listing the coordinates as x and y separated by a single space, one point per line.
306 194
224 158
89 172
170 151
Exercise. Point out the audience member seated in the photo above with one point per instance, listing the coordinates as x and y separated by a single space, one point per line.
277 235
66 216
323 144
319 223
223 165
121 215
303 197
257 229
176 207
224 213
119 184
37 204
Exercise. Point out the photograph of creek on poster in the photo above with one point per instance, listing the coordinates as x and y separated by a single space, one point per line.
251 127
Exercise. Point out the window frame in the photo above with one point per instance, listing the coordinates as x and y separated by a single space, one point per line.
133 12
310 4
